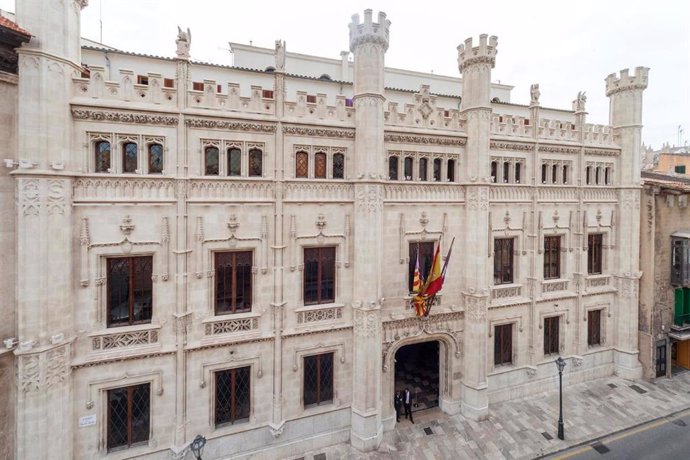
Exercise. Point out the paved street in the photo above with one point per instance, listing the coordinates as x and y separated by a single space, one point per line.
526 428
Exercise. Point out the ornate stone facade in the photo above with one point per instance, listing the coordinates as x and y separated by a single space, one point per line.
156 167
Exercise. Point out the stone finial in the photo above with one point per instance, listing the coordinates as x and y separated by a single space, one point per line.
580 101
183 42
534 94
485 53
280 55
627 81
369 31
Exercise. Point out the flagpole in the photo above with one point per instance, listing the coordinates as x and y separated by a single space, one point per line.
430 301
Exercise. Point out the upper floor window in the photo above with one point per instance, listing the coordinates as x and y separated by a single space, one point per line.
423 166
494 171
518 172
155 158
552 257
565 174
338 166
594 327
129 415
129 157
425 250
318 380
393 167
234 162
680 260
232 396
319 275
320 165
506 172
102 156
451 170
503 260
407 168
211 157
437 169
594 253
233 282
256 163
302 164
130 290
551 335
588 175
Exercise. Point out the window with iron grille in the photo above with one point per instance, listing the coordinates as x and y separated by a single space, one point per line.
503 260
256 167
593 327
318 380
319 275
130 290
503 344
320 165
232 396
594 253
302 164
129 157
234 162
233 282
426 257
102 156
129 412
552 257
392 167
155 159
551 335
338 166
211 161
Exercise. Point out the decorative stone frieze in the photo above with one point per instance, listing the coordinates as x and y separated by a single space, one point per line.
204 123
319 132
428 140
42 370
367 323
124 339
514 146
124 117
112 189
477 199
369 197
229 326
558 149
603 152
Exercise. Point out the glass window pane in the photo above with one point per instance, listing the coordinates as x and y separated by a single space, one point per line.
320 165
338 166
129 157
302 165
423 166
155 159
451 170
256 163
140 413
117 418
211 161
118 291
408 168
437 169
234 162
102 156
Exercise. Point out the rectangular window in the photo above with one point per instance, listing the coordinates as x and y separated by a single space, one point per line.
593 327
680 261
503 260
551 335
594 253
679 169
319 275
130 290
233 282
142 80
168 83
129 414
232 396
311 99
198 86
552 257
318 380
503 344
426 257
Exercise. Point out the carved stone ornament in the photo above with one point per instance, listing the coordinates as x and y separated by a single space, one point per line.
56 197
367 323
534 94
475 307
39 371
30 197
495 145
231 125
432 140
126 227
370 198
124 117
319 132
183 42
478 199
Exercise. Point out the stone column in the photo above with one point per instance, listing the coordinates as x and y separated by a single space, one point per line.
625 113
475 64
368 42
45 284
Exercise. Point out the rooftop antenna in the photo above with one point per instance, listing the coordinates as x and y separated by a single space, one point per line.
680 135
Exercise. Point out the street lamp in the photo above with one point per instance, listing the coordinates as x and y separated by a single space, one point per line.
197 446
560 363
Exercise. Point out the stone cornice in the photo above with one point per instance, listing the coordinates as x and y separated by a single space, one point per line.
118 359
124 117
498 145
319 132
420 139
42 54
604 152
629 87
231 125
558 149
477 60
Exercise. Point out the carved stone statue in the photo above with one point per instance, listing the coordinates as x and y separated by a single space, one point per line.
580 101
534 94
183 42
280 55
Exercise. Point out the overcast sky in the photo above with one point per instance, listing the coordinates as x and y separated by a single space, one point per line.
566 47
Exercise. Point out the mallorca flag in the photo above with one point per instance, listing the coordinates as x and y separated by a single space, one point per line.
434 281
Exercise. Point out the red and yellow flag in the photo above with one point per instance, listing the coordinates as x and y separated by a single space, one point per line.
417 278
434 281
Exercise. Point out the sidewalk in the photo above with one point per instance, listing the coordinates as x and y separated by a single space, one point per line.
519 429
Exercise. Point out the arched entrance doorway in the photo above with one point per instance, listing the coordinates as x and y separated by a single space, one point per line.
417 368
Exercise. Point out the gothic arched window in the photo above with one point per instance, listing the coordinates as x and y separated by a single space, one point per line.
155 159
234 161
338 166
302 164
102 156
129 157
211 161
256 160
320 165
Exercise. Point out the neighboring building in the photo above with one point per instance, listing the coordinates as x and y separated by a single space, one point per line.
227 251
665 283
668 160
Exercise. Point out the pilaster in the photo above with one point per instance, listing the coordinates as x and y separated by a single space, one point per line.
475 399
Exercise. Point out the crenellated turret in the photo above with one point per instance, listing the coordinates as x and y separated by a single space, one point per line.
368 43
475 64
626 96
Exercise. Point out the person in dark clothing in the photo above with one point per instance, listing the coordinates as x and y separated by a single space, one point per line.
407 402
397 403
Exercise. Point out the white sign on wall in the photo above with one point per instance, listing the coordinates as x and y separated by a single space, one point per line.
87 420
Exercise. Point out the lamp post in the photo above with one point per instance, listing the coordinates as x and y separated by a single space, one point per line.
560 363
197 446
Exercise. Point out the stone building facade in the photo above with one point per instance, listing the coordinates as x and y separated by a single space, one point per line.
665 285
233 259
